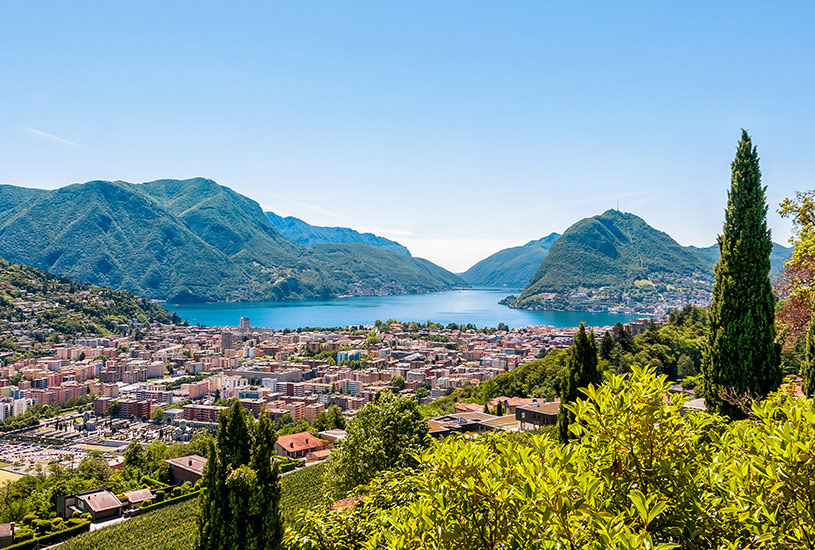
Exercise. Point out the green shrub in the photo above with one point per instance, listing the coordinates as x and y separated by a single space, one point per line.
642 473
29 519
42 526
23 534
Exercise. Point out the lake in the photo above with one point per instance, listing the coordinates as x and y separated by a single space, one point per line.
477 306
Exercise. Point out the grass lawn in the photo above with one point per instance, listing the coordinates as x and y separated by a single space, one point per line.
101 448
8 476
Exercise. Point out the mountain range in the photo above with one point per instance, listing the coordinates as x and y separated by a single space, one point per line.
617 257
510 267
192 240
305 234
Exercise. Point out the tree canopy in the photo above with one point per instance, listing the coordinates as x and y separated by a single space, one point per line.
742 360
384 435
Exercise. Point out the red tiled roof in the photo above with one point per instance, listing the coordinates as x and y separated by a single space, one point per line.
101 501
139 495
303 441
191 463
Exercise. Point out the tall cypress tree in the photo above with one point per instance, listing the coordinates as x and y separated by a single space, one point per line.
606 345
239 507
808 367
742 359
581 371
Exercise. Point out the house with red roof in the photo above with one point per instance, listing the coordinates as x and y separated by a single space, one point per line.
298 445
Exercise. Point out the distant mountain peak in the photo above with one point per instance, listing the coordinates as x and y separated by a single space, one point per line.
192 240
305 234
612 250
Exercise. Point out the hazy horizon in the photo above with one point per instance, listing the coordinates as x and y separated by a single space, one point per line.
456 129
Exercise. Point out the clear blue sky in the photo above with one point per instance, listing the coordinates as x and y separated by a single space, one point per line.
457 128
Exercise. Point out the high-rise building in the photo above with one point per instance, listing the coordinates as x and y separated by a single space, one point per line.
243 325
227 340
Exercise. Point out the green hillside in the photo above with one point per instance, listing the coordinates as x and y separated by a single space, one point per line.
305 234
191 240
615 251
511 267
35 305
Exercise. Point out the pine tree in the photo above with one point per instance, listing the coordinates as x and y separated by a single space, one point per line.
581 371
742 358
808 366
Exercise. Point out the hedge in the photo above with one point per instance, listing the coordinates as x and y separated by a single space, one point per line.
167 501
153 482
287 467
51 538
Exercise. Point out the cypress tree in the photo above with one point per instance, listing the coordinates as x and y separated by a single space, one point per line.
808 366
239 507
581 371
606 345
742 358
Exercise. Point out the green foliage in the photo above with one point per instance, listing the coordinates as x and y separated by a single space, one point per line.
240 502
581 370
384 435
398 383
135 456
677 346
742 357
640 473
329 419
539 378
26 539
71 307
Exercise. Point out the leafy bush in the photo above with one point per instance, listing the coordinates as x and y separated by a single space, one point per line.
642 473
31 542
42 525
23 534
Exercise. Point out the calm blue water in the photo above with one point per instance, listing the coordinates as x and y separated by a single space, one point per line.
477 306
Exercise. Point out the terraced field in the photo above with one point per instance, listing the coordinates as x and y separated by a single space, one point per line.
173 527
